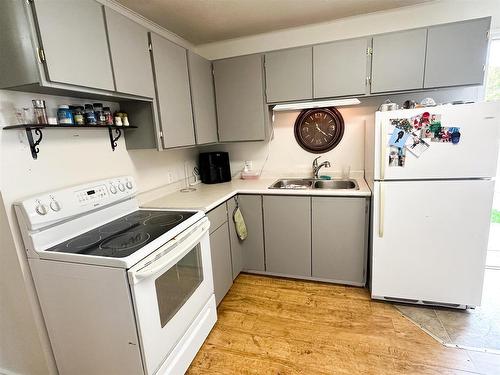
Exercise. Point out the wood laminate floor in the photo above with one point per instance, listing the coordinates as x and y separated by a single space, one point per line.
279 326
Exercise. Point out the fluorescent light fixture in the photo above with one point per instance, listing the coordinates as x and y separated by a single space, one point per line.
318 104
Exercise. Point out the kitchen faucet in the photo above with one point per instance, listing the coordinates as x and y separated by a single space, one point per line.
317 167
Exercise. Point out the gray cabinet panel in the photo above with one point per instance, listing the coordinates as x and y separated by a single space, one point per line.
287 233
247 254
221 261
64 24
173 93
456 53
398 61
289 74
340 68
129 46
203 98
239 92
339 241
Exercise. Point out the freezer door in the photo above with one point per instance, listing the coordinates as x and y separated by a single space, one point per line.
430 240
474 156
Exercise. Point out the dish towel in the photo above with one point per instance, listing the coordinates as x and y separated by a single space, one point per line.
239 224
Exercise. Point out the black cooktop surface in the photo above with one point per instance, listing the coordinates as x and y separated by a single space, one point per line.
122 237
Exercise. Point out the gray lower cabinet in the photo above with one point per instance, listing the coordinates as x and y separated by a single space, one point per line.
398 61
239 92
341 68
220 248
287 233
203 99
289 74
248 254
456 53
173 92
59 33
129 46
339 239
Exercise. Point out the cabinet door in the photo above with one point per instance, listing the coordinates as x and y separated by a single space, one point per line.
221 261
173 93
239 92
340 68
203 99
129 46
73 36
249 253
398 61
289 74
287 233
456 53
339 239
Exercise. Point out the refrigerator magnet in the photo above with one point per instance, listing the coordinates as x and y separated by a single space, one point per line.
397 157
403 124
416 145
455 135
398 138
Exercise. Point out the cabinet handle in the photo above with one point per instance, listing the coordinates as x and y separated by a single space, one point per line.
381 208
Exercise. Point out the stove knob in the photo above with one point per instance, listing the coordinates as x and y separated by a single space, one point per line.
55 206
121 187
41 209
129 185
112 189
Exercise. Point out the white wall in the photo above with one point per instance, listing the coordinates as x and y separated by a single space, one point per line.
435 12
66 157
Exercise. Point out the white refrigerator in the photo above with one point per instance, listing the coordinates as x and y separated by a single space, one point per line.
431 206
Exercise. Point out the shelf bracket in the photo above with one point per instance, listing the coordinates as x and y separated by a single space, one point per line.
34 144
112 139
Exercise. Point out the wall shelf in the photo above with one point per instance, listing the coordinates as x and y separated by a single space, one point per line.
36 130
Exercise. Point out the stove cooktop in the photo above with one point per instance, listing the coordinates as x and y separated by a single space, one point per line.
124 236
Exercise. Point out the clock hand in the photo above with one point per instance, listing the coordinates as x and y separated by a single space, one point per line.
321 131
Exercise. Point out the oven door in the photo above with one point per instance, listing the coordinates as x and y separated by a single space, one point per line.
170 287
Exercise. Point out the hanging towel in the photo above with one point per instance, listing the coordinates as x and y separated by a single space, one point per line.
239 222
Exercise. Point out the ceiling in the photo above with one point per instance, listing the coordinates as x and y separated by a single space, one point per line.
204 21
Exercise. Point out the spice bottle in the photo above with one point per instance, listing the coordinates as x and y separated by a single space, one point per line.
90 115
40 111
99 114
78 116
64 115
108 116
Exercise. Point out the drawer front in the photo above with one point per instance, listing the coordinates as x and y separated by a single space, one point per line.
217 217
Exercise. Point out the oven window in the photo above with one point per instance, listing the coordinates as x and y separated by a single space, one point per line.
175 286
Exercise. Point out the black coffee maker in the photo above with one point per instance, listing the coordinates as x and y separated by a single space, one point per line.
214 167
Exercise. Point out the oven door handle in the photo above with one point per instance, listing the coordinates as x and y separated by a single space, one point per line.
170 253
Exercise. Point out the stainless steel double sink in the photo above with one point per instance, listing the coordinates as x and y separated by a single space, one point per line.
311 183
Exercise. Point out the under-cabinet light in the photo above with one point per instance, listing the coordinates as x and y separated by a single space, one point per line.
317 104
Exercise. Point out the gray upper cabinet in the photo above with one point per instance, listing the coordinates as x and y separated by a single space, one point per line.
398 61
239 92
62 26
339 239
340 68
173 92
456 53
289 74
287 233
129 46
203 99
248 254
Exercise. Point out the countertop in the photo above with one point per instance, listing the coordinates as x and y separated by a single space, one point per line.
207 197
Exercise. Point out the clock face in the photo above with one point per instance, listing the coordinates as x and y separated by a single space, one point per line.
319 130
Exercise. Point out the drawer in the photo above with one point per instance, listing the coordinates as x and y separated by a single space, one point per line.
217 217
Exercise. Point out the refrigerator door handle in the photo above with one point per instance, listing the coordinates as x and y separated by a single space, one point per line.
381 208
382 151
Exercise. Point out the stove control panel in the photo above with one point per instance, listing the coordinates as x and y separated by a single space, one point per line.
46 209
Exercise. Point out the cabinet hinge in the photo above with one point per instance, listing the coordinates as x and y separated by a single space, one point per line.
29 2
161 134
41 55
484 68
368 80
150 47
369 51
213 72
488 35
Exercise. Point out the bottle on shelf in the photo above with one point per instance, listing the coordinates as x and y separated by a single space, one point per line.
40 113
64 115
90 115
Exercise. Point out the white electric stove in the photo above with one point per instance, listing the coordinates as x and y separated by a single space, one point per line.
123 290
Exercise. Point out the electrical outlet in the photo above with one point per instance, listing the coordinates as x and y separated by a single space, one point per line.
170 177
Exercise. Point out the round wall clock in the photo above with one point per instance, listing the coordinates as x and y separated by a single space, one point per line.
319 130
